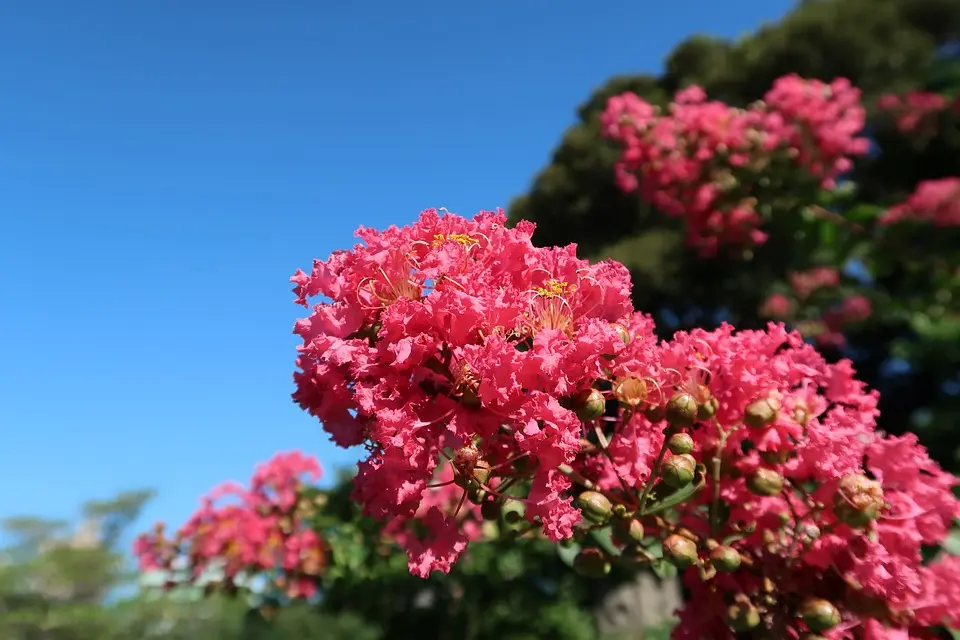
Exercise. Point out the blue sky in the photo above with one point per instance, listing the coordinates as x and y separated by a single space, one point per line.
166 166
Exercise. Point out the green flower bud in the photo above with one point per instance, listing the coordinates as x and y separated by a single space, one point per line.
742 617
654 413
725 559
678 471
589 404
765 482
513 511
682 410
761 413
628 531
858 500
819 614
680 551
680 443
708 409
594 506
591 563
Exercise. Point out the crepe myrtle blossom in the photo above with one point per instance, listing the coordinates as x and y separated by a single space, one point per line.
722 169
525 375
242 532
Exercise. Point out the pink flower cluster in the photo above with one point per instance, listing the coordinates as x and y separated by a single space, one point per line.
707 162
753 461
916 111
935 202
263 530
444 520
832 317
435 337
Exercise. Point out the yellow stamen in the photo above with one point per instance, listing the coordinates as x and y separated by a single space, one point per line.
552 289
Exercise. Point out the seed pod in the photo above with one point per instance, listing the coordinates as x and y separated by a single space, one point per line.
743 616
858 500
678 471
589 404
591 563
725 559
682 410
819 614
680 551
765 482
761 412
680 443
594 506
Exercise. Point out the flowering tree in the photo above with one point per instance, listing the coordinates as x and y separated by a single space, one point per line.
506 392
461 355
286 546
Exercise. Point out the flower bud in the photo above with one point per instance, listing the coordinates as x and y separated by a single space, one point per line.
858 500
725 559
628 531
631 391
513 512
761 412
481 473
765 482
678 471
594 506
654 413
682 410
591 563
491 510
707 409
680 551
680 443
819 615
743 616
589 404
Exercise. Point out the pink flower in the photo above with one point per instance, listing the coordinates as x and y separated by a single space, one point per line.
702 160
935 202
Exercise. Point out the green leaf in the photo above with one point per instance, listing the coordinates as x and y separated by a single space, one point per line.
863 212
680 496
604 539
828 234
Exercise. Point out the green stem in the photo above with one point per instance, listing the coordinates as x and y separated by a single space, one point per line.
568 471
655 472
717 463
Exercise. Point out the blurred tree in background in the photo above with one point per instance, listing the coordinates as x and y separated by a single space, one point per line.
74 583
508 587
908 350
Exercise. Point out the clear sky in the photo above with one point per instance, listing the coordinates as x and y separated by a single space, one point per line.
166 165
